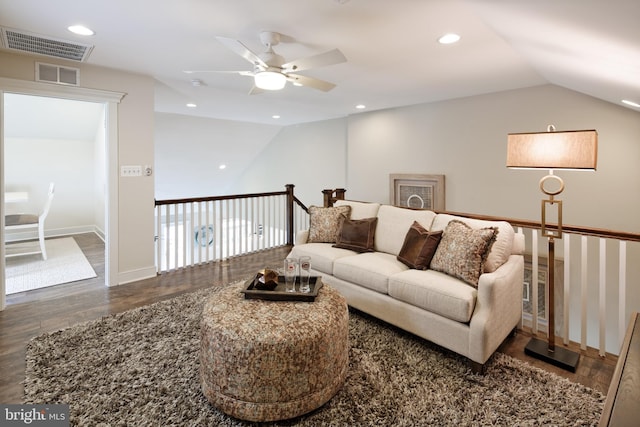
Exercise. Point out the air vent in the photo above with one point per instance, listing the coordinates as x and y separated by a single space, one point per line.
42 45
57 74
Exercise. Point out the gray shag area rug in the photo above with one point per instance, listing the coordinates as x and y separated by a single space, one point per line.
140 368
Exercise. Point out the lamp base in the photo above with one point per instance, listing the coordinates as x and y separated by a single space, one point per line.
560 357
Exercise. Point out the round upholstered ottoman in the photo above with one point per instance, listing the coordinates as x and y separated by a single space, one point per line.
272 360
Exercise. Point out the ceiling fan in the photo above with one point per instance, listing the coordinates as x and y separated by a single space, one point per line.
271 72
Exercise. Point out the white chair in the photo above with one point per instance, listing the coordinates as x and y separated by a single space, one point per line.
26 221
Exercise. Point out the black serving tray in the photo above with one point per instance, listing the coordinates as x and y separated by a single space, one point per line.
279 294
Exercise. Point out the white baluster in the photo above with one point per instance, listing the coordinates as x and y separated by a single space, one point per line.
566 288
583 293
603 296
622 292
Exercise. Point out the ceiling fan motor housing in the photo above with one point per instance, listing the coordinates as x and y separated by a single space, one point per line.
272 59
269 38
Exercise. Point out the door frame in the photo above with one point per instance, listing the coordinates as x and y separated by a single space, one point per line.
111 100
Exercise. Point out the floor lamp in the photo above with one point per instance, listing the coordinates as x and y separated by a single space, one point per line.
569 150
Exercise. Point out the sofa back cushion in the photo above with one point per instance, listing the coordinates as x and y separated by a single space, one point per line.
502 246
393 224
360 210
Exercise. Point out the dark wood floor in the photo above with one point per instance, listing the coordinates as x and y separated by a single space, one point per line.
32 313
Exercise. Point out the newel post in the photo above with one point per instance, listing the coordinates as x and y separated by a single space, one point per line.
290 201
329 197
328 202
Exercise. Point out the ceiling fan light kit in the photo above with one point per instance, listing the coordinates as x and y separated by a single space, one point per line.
271 72
270 80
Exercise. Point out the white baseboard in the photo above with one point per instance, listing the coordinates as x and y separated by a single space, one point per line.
123 277
18 236
135 275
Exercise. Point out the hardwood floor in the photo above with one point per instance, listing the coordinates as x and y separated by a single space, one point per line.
30 314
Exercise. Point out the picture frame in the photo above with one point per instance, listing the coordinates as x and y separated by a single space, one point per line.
418 191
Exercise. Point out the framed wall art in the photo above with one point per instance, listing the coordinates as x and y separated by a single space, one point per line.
417 191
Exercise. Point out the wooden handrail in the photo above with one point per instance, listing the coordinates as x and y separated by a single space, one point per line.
572 229
302 205
330 198
291 200
213 198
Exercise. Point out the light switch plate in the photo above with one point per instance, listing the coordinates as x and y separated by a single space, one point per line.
128 171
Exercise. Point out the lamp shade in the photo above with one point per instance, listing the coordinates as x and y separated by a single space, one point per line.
270 80
553 150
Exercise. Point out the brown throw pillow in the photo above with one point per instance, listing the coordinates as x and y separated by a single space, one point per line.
324 223
429 249
357 234
463 250
419 246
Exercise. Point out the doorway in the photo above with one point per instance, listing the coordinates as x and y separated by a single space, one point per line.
58 142
109 101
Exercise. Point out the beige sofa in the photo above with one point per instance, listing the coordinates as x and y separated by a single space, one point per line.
469 319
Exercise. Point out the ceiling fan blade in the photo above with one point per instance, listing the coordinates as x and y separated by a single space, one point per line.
321 60
255 90
242 50
311 82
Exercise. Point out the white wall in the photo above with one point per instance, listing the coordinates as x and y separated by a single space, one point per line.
312 156
30 164
189 151
136 251
465 139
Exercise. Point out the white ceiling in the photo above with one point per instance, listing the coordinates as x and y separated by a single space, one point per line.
40 117
393 58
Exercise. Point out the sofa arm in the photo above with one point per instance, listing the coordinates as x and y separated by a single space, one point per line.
301 237
498 308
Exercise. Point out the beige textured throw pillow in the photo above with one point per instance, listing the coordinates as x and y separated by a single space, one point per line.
324 223
463 250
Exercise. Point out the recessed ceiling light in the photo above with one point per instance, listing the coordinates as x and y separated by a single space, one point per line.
222 167
633 104
191 105
361 106
297 84
81 30
275 116
449 38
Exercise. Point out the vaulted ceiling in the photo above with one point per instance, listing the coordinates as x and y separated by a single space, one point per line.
393 57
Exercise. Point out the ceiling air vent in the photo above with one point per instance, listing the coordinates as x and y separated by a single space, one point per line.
42 45
57 74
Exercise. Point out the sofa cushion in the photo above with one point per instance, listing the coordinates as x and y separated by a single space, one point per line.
370 270
356 234
502 247
322 255
463 250
419 246
360 210
393 223
324 223
435 292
